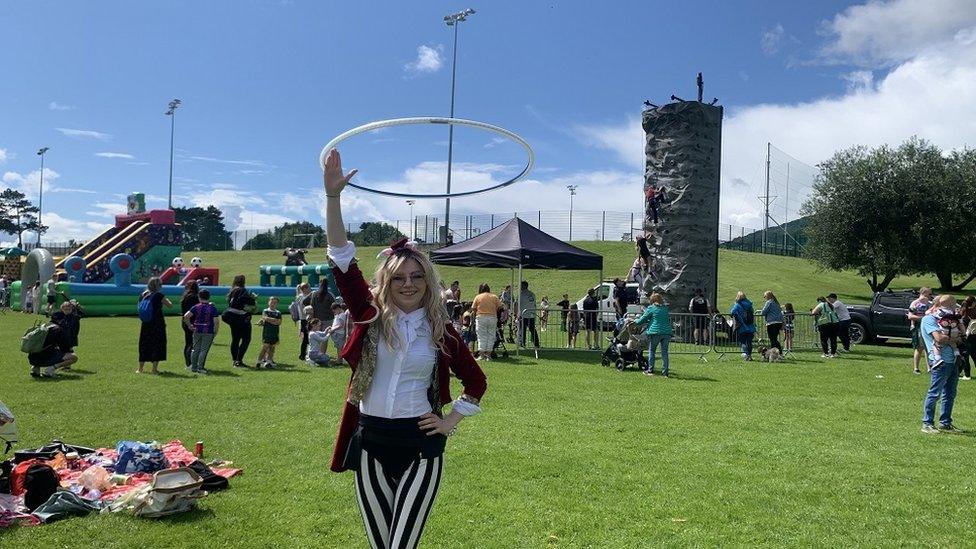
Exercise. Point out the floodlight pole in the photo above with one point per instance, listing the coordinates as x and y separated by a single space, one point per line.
40 195
452 20
171 113
413 233
572 193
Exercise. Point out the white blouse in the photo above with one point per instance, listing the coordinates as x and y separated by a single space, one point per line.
403 374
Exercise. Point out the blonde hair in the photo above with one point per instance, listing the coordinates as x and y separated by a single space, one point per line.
657 298
740 295
154 284
768 295
431 302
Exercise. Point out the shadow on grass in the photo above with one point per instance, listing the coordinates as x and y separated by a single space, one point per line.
187 517
167 373
223 373
80 371
284 368
61 376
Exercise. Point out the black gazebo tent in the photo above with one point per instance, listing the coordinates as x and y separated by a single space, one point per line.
517 245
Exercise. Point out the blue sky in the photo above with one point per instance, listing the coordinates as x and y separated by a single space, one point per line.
265 84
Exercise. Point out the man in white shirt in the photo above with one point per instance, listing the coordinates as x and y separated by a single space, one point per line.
527 315
844 321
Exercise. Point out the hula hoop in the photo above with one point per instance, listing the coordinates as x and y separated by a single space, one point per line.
432 120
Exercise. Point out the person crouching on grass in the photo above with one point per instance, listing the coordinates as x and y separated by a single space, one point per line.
941 342
318 343
201 320
271 326
55 354
402 350
338 331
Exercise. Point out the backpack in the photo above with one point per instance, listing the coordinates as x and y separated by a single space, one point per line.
146 308
295 310
34 337
35 480
139 457
748 318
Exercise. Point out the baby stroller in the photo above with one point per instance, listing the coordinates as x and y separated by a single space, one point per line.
499 349
625 348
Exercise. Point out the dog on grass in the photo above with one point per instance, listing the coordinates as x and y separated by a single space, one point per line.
770 354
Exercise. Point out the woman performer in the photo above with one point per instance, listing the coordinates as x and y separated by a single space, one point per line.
402 350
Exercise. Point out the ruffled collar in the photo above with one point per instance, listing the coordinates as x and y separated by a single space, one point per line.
412 325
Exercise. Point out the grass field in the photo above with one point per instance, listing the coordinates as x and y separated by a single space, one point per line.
566 453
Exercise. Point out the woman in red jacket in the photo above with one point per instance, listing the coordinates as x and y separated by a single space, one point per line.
402 350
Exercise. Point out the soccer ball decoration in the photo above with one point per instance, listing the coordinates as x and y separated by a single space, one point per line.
178 262
196 262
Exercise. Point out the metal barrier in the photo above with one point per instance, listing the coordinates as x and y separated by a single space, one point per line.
692 334
553 333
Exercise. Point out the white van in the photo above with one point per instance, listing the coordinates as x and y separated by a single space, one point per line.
604 295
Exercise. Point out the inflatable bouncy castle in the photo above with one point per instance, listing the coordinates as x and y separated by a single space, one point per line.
151 238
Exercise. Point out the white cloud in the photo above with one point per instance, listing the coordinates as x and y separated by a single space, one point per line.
771 40
55 106
933 96
429 59
84 134
881 33
106 209
62 229
30 183
3 156
114 155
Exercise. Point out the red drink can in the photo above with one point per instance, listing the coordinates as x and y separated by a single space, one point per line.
198 449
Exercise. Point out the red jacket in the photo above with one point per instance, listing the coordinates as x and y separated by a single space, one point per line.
355 292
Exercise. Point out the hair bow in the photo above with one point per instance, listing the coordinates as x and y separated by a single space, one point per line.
398 245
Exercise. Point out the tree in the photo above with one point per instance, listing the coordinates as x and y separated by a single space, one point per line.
284 236
887 212
375 233
862 212
263 241
951 185
203 228
18 215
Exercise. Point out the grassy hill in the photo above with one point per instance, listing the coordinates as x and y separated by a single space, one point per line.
792 279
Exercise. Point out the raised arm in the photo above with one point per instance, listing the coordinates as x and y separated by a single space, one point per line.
335 182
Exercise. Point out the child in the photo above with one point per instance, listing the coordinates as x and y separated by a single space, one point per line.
271 322
52 296
573 324
340 318
318 344
467 330
544 313
201 320
948 321
788 315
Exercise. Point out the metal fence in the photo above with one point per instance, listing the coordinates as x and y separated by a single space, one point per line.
692 334
576 225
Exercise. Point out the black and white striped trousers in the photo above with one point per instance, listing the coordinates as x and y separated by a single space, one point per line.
395 509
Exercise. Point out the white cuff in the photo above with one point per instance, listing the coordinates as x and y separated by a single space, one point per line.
465 408
342 256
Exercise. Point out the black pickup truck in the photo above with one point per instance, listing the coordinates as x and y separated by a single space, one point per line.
884 318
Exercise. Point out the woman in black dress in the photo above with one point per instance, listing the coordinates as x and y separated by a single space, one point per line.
152 334
240 307
186 303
